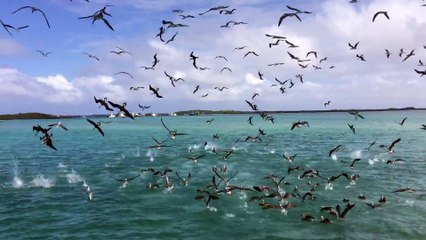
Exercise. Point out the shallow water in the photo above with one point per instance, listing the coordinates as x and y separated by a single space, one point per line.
44 192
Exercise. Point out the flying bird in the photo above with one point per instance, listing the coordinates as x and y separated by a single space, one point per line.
7 26
354 46
33 10
155 91
380 12
96 125
100 15
391 146
122 108
285 15
402 121
44 54
91 56
104 103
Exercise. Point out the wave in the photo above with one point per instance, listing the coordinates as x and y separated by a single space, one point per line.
41 181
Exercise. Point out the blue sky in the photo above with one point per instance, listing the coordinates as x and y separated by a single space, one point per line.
66 81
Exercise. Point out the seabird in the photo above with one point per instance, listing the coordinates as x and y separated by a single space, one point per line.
380 12
33 10
96 125
390 147
155 91
104 103
100 15
122 108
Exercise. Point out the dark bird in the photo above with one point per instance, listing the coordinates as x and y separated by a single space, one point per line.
171 39
156 61
327 103
227 12
334 150
312 52
409 55
136 88
224 58
218 8
290 44
225 68
387 53
289 159
125 73
285 15
260 75
356 114
185 181
47 140
126 181
240 48
380 12
250 119
96 125
100 15
353 162
143 107
122 109
196 89
205 95
7 26
292 56
155 91
423 127
193 58
39 128
390 147
361 57
421 73
351 126
298 124
371 145
254 95
297 10
395 161
158 145
403 121
121 51
250 52
406 189
104 103
33 10
91 56
186 16
353 47
252 105
44 54
172 133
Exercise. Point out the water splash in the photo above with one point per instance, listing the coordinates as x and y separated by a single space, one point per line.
356 154
329 186
61 165
138 153
193 147
151 155
41 181
334 157
17 181
74 177
229 215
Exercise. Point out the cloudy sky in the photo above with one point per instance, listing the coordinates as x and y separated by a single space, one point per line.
66 80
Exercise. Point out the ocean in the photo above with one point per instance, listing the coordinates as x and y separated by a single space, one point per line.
44 193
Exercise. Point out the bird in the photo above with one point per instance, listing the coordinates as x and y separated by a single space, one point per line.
312 52
126 181
172 133
298 124
409 55
156 61
380 12
406 189
44 54
158 145
388 53
391 146
334 150
327 103
225 68
285 15
186 16
354 46
196 158
58 124
222 57
125 73
250 52
196 89
253 106
96 125
122 108
7 26
402 121
143 107
421 73
184 181
155 91
100 15
218 8
353 162
171 39
360 57
356 114
91 56
120 52
193 58
395 161
47 140
351 126
260 75
33 10
104 103
297 10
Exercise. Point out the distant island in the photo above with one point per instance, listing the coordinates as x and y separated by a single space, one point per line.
35 115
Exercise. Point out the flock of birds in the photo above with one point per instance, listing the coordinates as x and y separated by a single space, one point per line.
274 194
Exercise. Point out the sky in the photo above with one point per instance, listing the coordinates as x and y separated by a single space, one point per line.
66 81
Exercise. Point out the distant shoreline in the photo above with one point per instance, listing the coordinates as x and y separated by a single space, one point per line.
35 115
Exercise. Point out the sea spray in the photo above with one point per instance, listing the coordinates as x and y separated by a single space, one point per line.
41 181
17 181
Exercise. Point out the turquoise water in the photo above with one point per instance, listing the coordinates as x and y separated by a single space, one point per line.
43 192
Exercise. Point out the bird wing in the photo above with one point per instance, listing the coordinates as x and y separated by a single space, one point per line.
107 23
393 143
